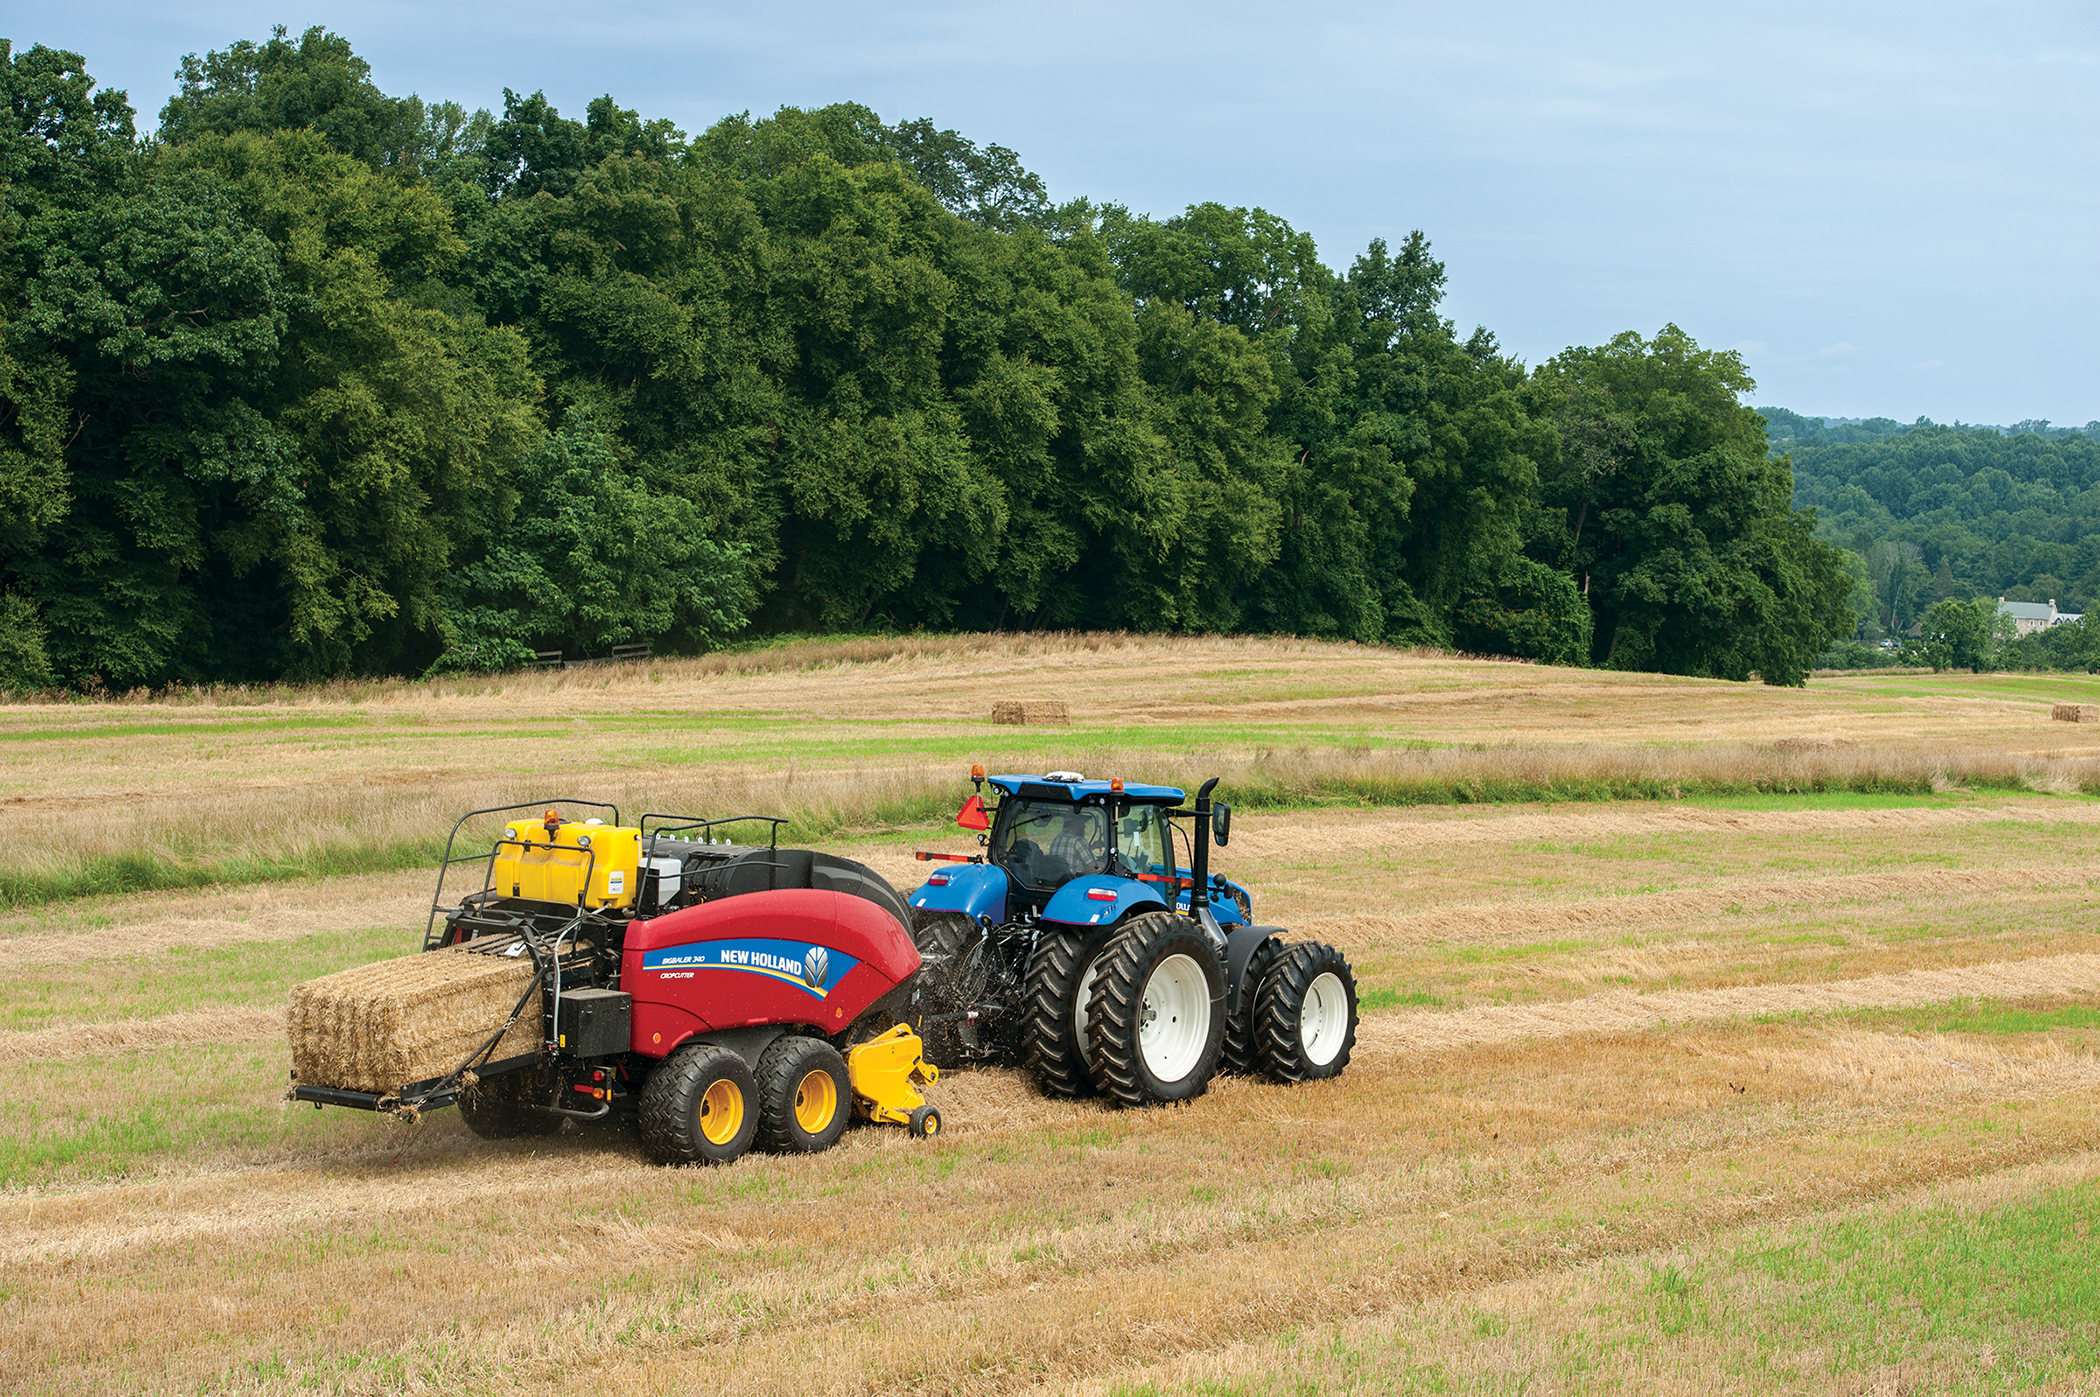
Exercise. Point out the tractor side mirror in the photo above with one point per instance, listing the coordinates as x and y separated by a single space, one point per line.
973 815
1221 823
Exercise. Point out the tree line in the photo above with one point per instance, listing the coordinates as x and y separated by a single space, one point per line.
314 380
1931 513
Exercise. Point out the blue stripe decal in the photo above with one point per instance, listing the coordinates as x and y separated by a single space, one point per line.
815 970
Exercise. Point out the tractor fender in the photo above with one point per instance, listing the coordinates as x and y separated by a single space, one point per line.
973 889
1073 904
1240 945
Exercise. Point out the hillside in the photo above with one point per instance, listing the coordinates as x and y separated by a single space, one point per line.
1940 512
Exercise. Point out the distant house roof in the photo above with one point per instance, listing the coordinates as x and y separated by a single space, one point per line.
2031 616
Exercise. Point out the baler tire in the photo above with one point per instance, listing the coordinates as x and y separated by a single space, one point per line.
1138 985
788 1108
1241 1056
1308 976
497 1108
1049 1035
691 1080
943 940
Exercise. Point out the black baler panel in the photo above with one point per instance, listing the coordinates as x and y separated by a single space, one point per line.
594 1023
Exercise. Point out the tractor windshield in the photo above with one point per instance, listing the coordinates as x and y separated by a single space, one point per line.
1141 843
1046 843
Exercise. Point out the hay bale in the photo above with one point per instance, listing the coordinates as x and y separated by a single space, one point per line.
2076 713
1036 713
381 1026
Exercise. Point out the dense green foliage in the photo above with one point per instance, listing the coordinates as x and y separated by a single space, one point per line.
1953 512
323 381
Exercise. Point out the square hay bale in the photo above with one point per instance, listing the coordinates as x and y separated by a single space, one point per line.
381 1026
1036 713
2076 713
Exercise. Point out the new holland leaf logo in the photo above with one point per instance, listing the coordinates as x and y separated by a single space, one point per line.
814 965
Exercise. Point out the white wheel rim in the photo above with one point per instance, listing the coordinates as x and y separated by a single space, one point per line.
1080 999
1323 1021
1174 1019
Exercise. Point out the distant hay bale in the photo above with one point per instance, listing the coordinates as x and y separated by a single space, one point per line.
379 1027
1037 713
2076 713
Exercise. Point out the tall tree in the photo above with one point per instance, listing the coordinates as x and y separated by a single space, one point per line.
1696 562
316 82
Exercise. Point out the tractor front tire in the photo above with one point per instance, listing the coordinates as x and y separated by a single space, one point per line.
1052 1035
700 1106
1156 1023
804 1096
1242 1055
1305 1014
500 1107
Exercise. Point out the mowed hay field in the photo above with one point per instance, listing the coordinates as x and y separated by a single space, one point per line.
1781 1077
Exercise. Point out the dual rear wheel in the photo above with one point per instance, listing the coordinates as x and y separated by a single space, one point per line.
704 1104
1139 1013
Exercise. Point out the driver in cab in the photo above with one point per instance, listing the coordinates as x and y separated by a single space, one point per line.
1077 845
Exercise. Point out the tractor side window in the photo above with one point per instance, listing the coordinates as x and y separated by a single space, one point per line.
1141 843
1048 843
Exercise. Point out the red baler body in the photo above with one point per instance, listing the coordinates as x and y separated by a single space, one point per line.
798 955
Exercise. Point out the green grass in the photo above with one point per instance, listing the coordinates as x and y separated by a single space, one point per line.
1371 1000
192 729
144 872
1934 1298
115 1115
104 984
1982 1016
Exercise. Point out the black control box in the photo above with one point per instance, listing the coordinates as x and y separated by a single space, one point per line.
593 1023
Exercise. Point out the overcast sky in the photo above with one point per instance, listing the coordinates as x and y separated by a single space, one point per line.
1889 210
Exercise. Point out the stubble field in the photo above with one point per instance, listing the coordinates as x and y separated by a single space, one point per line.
1782 1079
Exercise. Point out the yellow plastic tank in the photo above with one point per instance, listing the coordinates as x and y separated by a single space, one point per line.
598 863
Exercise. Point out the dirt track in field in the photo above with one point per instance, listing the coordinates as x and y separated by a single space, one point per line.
1488 924
1617 1011
136 1035
1444 828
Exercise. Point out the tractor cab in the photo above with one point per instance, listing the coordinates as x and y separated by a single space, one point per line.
1048 833
1063 848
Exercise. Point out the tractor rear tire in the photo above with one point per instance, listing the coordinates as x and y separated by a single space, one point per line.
700 1106
1305 1014
1242 1055
1055 1018
1156 1023
804 1096
946 941
500 1107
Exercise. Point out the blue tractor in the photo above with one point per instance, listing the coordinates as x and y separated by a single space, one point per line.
1079 945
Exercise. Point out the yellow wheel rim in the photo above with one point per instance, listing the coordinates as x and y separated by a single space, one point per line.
721 1111
933 1125
816 1102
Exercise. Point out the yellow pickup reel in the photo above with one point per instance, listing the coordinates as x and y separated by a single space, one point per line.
887 1073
